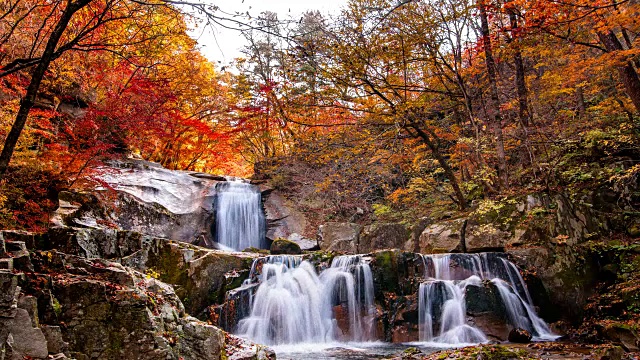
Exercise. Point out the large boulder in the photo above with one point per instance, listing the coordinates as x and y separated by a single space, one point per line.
283 218
304 243
285 247
145 197
382 236
485 238
566 278
442 237
339 237
519 335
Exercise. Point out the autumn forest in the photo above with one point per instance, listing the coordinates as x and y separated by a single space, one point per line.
515 121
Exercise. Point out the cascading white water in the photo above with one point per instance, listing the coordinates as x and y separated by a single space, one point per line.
295 305
442 309
240 221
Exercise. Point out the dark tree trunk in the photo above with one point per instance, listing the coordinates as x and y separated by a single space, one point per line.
521 85
582 109
34 85
495 117
448 172
627 71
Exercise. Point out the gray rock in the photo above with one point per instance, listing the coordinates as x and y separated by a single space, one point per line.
8 294
3 249
442 237
283 219
413 244
30 304
6 264
149 199
201 341
485 238
24 339
304 243
55 343
383 236
340 237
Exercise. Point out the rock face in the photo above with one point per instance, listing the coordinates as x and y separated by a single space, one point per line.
145 197
285 247
282 217
339 237
443 237
382 236
85 307
351 238
200 276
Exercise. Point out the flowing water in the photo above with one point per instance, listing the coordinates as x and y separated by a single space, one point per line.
295 305
240 220
331 314
442 304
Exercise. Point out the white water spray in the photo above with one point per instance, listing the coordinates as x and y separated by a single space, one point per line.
442 306
295 305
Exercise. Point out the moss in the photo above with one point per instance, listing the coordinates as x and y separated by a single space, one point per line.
55 304
386 271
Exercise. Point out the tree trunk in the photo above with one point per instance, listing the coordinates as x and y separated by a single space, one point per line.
494 107
627 71
34 85
582 108
448 172
521 85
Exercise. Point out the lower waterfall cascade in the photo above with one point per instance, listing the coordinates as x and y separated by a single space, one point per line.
290 302
442 297
293 304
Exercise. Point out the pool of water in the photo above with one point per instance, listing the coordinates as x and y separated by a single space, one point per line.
345 351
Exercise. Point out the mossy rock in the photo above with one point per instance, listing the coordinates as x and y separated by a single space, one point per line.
285 247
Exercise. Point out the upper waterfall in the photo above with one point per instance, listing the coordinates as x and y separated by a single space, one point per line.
240 220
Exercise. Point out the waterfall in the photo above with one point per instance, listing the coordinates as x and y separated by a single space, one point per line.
240 221
442 305
293 304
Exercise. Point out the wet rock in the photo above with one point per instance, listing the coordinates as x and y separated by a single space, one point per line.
285 247
623 335
521 336
382 236
242 349
562 281
339 237
493 326
236 306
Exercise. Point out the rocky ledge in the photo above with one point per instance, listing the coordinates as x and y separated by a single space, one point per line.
101 296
